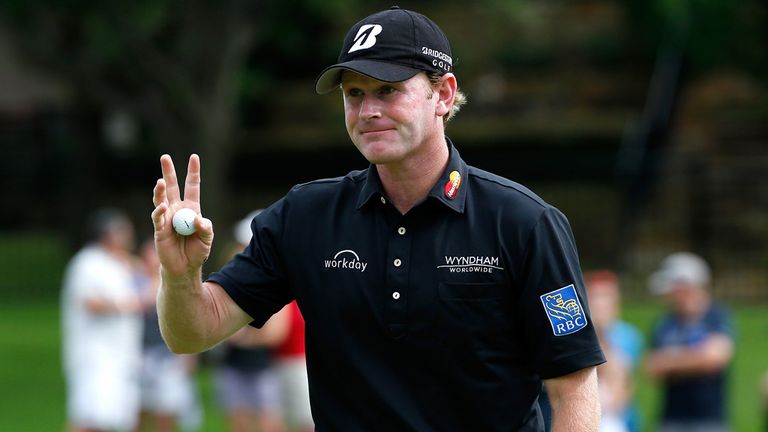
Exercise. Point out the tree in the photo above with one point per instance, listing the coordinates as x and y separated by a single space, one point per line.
172 65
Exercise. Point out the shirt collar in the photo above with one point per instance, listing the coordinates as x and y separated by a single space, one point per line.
441 191
371 188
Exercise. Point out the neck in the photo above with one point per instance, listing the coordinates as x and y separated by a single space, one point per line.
697 308
407 183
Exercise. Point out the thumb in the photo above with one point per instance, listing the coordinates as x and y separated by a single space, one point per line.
204 229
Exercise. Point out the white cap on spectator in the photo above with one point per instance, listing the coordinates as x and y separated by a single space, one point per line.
242 231
680 267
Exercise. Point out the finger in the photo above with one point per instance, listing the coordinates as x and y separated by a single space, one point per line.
158 217
171 182
158 193
192 183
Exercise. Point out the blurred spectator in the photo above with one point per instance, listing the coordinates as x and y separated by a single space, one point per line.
691 349
101 328
615 389
622 345
168 393
291 363
247 384
289 355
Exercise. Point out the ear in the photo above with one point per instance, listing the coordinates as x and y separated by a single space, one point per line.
446 93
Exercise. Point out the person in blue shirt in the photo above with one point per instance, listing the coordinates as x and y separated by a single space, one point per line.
622 343
691 349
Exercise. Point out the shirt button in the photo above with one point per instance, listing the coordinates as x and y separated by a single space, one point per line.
401 230
383 200
395 295
397 262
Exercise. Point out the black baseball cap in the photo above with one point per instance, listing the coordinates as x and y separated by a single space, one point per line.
392 45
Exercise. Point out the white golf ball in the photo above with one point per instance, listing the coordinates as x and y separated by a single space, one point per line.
184 221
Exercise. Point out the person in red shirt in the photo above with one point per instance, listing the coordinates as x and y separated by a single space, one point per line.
291 364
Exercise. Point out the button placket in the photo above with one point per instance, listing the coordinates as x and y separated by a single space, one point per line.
398 253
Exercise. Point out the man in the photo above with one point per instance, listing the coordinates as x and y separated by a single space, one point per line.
436 296
102 329
692 347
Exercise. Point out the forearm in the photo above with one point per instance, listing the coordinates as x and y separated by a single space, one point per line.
580 414
102 306
190 320
678 363
575 404
713 355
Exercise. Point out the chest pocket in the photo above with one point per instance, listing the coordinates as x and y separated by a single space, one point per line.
468 292
473 314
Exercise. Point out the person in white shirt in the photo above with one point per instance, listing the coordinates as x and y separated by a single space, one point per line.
102 329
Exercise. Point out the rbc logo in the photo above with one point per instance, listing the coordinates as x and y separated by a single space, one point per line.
564 311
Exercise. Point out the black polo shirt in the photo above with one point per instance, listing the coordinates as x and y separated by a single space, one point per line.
442 319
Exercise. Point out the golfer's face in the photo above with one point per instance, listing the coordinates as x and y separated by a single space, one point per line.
388 121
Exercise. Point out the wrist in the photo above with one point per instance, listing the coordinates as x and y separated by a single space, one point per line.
175 281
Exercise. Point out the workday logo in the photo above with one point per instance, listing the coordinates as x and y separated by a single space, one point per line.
346 259
366 37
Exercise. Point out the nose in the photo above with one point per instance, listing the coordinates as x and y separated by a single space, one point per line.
369 108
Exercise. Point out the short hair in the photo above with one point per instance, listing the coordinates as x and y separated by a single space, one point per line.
103 221
458 102
596 277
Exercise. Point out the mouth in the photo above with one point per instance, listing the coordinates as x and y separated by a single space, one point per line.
375 131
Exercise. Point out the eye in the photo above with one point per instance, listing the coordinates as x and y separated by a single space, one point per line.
353 92
385 90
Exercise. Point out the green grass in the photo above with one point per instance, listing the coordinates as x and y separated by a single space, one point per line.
32 397
31 382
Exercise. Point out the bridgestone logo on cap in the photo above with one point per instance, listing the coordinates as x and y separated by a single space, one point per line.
366 37
437 54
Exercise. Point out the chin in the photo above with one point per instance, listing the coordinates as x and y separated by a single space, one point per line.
377 152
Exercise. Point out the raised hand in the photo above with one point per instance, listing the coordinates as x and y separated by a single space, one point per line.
180 255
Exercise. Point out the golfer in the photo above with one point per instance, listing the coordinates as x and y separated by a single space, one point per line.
437 296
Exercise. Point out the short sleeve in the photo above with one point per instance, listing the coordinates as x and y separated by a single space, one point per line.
255 278
558 331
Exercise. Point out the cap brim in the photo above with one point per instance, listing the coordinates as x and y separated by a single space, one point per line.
330 77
